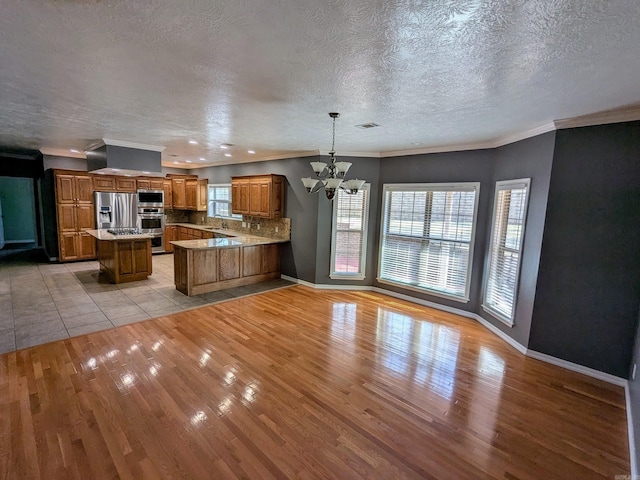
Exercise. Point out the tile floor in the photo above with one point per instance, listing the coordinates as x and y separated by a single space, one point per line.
42 302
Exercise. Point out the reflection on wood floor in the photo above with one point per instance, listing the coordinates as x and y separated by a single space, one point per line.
300 383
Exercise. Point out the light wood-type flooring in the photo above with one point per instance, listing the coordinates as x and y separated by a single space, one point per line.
301 383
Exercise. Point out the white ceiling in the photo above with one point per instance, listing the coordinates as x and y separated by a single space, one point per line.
262 74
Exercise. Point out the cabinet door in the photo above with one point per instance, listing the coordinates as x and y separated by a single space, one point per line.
271 258
168 193
191 193
86 246
85 218
125 184
228 263
240 196
65 191
251 260
66 218
277 197
69 246
104 183
143 184
255 207
265 199
183 233
179 193
202 196
156 184
169 233
84 189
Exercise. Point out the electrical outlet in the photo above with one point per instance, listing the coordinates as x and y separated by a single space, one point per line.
258 226
276 229
633 373
202 219
244 224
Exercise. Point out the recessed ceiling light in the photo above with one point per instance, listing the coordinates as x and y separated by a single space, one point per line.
74 150
224 147
251 151
227 154
193 142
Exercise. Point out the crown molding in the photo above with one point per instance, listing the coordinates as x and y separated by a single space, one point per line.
251 159
139 146
352 154
616 115
494 143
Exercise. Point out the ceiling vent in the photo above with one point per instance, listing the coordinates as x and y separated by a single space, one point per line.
364 126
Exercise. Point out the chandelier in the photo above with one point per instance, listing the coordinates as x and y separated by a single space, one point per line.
331 176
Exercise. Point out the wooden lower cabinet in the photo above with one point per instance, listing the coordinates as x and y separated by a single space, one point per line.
209 269
125 260
76 246
170 234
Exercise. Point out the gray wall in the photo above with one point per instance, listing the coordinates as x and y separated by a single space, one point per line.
18 209
299 256
64 163
531 158
363 168
471 166
588 291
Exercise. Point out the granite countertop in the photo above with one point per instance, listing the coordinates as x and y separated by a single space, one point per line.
235 238
104 235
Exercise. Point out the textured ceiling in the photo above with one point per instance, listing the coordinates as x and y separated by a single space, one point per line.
262 74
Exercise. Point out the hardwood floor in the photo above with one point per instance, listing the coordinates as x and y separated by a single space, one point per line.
300 383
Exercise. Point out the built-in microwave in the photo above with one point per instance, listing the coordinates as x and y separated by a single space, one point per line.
150 198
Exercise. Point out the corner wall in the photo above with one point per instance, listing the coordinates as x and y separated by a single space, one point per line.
588 293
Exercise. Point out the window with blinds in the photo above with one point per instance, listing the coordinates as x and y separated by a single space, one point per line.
220 201
349 234
427 237
507 235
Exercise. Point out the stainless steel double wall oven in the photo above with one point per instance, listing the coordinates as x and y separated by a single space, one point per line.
151 216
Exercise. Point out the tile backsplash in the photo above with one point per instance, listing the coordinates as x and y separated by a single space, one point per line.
263 227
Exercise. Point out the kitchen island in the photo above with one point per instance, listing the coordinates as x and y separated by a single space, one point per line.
207 265
123 258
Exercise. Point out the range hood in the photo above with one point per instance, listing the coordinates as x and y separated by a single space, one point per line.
125 158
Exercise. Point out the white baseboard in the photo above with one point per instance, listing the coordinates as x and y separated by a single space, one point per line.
590 372
631 433
325 286
499 333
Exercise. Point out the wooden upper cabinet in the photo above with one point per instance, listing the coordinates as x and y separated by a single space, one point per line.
126 184
66 218
104 183
178 186
74 188
196 194
240 197
84 189
258 195
143 184
168 193
156 183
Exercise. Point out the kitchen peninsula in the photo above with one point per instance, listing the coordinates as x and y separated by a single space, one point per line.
235 259
125 257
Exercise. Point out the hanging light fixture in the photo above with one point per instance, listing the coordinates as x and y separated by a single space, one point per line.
331 176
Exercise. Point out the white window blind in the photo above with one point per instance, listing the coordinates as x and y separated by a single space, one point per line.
427 237
349 234
507 234
220 201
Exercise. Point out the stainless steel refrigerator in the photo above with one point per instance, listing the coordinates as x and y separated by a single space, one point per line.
116 210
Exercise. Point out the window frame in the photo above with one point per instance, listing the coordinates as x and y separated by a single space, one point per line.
365 235
500 186
210 201
413 187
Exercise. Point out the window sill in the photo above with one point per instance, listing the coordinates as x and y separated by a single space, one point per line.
337 276
424 291
509 323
